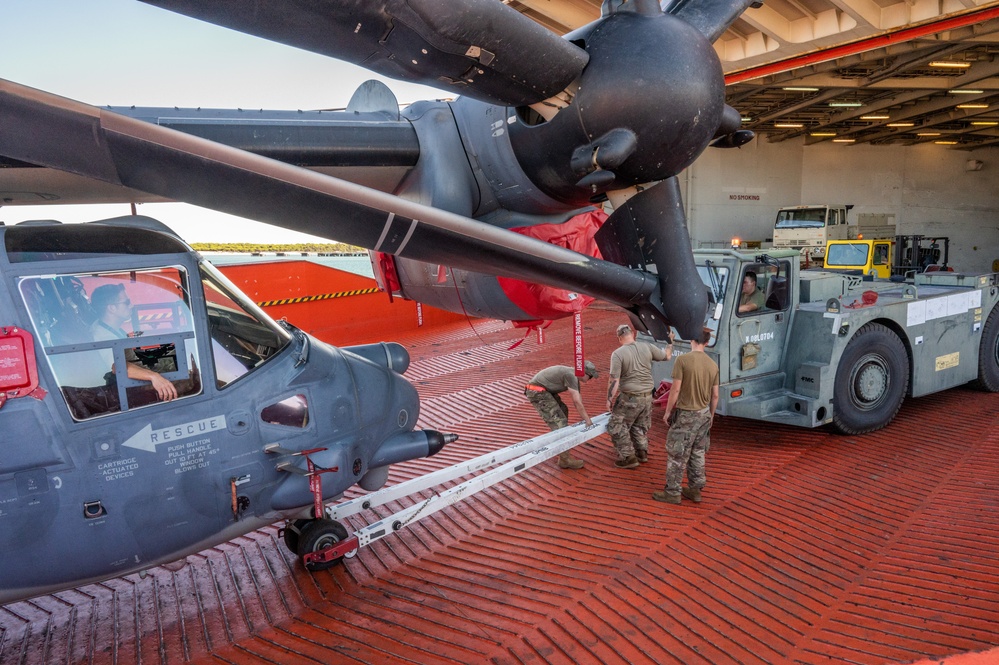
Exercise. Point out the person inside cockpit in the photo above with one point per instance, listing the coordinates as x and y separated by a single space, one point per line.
113 308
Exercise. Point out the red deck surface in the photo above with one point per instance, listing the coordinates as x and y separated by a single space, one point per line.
808 548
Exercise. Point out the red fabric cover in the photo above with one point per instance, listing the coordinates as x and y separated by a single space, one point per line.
386 266
548 302
661 395
387 274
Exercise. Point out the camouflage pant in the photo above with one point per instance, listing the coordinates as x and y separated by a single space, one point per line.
629 422
686 446
550 407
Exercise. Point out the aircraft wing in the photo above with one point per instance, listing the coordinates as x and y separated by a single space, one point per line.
125 152
374 147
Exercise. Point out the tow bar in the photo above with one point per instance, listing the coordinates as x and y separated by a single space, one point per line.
511 461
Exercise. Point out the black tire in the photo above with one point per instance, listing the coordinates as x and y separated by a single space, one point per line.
292 530
318 535
871 381
988 354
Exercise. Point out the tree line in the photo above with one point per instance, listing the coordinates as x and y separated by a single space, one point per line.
249 248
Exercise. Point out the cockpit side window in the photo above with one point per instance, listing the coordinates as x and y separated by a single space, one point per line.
243 337
763 288
752 289
116 341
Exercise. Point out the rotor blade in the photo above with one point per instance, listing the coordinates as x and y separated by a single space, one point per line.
304 138
650 228
369 143
710 17
40 128
479 48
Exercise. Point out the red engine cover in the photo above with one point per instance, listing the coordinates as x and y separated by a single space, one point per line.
548 302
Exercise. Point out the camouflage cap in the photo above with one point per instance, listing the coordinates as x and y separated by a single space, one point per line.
590 369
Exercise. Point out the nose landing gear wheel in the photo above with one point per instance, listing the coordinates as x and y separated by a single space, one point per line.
292 531
317 535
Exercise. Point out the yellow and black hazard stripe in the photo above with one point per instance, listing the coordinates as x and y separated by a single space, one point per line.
153 318
323 296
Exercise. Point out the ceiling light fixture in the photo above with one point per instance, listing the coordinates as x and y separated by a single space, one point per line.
928 134
843 140
875 117
788 125
972 106
746 119
901 124
823 134
950 64
965 91
800 89
946 142
846 104
985 123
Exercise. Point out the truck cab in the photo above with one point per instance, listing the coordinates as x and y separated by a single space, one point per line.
861 256
745 344
808 228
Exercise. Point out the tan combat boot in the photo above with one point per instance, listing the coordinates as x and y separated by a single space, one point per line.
567 461
666 498
630 463
691 493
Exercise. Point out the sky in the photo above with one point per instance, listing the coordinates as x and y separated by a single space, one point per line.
123 52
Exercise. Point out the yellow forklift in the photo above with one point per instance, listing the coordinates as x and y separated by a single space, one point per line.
888 258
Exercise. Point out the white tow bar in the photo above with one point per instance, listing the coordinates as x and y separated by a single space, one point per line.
511 461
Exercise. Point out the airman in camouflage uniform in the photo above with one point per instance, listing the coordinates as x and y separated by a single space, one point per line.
543 393
694 395
629 396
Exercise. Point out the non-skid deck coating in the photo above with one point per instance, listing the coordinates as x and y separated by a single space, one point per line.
808 548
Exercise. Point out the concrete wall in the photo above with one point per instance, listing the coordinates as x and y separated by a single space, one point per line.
737 192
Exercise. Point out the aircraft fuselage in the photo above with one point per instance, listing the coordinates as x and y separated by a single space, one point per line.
100 476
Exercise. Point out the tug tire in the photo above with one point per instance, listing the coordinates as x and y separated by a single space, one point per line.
871 381
988 354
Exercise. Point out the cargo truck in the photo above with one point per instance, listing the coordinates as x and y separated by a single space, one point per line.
841 349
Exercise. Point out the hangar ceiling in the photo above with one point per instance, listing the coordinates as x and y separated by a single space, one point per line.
851 71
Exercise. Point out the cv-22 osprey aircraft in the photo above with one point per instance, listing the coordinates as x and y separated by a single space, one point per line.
149 410
493 190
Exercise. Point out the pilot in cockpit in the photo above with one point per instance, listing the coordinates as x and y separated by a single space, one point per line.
113 308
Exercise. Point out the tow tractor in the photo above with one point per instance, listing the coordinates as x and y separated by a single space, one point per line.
837 348
495 467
